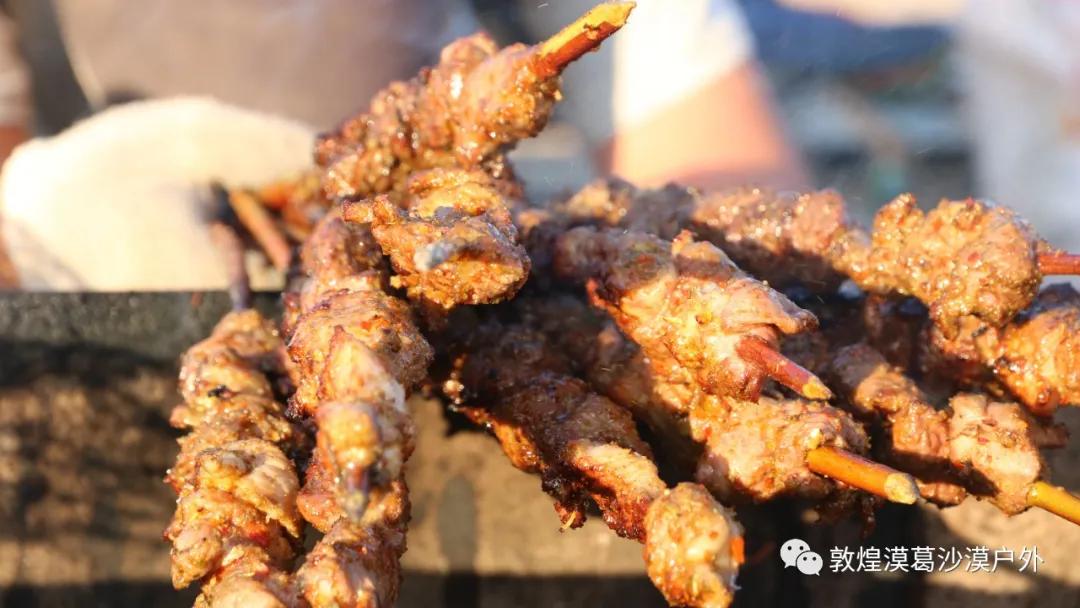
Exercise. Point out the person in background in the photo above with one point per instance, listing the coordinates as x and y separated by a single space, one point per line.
678 96
232 91
1018 64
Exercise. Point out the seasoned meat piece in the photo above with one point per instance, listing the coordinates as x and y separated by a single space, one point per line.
249 582
256 472
962 258
236 358
757 451
210 524
916 435
684 302
1000 443
337 257
525 385
600 353
463 112
1036 356
359 446
357 564
235 418
584 448
966 359
241 499
1039 356
379 321
338 250
451 241
615 203
693 548
784 238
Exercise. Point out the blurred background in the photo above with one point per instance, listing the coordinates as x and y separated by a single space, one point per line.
114 114
944 98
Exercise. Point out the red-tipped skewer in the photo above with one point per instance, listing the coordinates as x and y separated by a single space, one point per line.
1059 262
783 370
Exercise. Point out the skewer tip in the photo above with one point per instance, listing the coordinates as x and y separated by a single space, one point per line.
783 370
815 389
231 249
864 474
257 220
901 488
1056 500
581 36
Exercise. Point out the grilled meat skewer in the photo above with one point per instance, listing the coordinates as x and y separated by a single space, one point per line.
462 112
964 258
236 511
585 448
1036 356
688 307
992 446
451 240
356 349
747 451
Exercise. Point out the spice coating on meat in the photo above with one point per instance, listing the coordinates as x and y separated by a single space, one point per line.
1036 356
1039 356
962 258
461 112
240 501
361 448
451 240
916 434
380 322
585 447
684 302
249 582
582 445
235 359
781 239
757 451
357 563
1000 442
784 238
616 203
693 548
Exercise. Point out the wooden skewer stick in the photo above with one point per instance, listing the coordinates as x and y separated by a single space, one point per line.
867 475
580 37
276 195
1059 263
1055 500
232 249
783 370
260 224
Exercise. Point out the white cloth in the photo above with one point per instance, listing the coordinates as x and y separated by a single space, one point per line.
120 200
